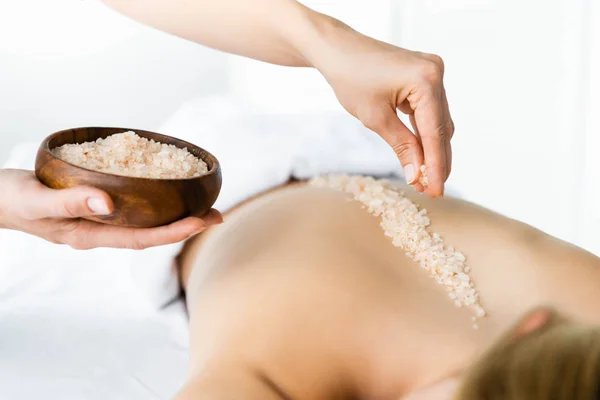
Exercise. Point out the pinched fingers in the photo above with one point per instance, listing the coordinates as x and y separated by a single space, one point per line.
384 120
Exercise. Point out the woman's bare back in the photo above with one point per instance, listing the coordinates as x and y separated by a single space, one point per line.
301 286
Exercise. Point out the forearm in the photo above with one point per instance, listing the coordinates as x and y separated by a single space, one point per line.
276 31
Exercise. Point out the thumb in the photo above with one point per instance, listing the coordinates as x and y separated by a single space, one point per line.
74 202
404 143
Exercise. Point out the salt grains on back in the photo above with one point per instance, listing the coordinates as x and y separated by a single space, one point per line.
406 224
129 154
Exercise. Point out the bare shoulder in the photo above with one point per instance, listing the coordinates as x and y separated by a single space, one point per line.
571 278
231 382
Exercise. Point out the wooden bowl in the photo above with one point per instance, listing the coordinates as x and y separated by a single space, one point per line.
139 202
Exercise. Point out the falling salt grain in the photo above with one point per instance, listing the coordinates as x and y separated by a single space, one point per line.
423 179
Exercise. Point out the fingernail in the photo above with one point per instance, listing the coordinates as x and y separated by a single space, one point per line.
409 174
98 206
213 218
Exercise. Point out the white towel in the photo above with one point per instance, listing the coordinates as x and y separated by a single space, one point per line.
259 152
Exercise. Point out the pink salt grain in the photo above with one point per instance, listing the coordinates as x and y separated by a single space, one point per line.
128 154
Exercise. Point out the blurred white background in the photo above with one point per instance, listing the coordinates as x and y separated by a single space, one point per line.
522 81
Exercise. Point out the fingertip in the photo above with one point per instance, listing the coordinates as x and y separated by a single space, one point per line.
175 232
436 191
200 224
213 217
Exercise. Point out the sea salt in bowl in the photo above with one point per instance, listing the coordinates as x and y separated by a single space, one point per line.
151 185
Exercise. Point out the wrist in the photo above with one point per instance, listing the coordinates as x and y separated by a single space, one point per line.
313 36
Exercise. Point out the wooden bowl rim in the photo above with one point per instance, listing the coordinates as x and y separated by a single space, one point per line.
45 145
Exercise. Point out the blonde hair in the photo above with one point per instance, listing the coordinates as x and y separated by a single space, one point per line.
559 361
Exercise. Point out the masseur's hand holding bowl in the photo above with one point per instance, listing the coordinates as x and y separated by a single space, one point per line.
55 215
371 79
